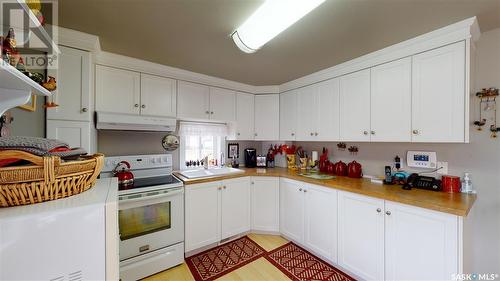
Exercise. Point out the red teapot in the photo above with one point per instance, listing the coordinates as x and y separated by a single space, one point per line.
122 171
354 170
340 169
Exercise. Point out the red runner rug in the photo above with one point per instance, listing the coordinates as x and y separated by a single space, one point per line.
214 263
300 265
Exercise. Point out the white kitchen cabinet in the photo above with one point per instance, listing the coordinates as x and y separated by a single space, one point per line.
265 203
361 235
267 117
203 215
74 86
222 104
438 95
355 106
420 244
75 133
193 101
328 111
292 209
158 96
307 111
391 101
288 115
117 90
245 106
320 226
235 207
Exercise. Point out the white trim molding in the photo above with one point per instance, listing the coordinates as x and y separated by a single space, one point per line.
77 39
467 29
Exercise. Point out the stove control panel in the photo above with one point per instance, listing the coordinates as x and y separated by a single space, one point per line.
138 162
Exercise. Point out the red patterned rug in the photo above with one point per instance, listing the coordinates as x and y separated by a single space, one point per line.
214 263
300 265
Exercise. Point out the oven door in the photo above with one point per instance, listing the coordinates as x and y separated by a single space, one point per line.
150 220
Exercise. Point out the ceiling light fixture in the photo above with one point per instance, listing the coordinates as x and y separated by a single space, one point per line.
269 20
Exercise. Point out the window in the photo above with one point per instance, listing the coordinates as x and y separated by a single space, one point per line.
200 140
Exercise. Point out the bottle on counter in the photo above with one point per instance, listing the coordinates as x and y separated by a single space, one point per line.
467 184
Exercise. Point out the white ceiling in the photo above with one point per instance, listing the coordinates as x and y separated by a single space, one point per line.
194 34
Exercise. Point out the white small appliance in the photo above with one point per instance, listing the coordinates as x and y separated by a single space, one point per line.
421 159
150 216
132 122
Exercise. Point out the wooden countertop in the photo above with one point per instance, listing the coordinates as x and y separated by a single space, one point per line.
452 203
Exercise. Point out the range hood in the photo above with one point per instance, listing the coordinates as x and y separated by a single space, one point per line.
131 122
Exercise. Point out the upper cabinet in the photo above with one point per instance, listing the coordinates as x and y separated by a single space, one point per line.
267 117
117 90
74 84
200 102
438 95
355 106
391 101
158 96
288 115
328 110
245 106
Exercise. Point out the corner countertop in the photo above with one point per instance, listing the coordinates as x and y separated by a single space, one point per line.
452 203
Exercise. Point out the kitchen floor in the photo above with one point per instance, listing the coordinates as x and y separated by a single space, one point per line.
260 269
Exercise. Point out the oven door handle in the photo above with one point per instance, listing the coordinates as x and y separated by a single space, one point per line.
142 198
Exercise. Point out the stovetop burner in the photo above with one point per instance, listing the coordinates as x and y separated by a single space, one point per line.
149 182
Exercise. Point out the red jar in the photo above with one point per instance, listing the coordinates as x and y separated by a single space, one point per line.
451 184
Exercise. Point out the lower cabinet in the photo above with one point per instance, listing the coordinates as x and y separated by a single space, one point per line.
75 133
265 203
215 211
308 216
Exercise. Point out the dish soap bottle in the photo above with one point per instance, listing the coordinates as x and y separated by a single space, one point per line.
467 184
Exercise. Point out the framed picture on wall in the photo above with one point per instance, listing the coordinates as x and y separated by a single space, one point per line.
233 150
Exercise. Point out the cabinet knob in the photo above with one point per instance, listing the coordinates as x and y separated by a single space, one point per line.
365 133
388 213
372 132
143 106
136 105
224 187
312 134
379 210
84 109
300 189
238 134
211 112
252 183
305 190
415 132
255 134
207 112
293 134
315 134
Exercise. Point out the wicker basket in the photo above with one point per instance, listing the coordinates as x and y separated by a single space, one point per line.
48 179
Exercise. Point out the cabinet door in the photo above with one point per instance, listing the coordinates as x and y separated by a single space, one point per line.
355 106
245 106
438 99
361 235
73 92
288 115
267 117
117 90
202 225
75 133
292 210
222 104
235 206
420 244
307 111
321 221
265 203
391 101
328 111
158 96
193 101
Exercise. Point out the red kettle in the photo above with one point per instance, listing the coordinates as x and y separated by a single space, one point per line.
122 171
340 169
354 170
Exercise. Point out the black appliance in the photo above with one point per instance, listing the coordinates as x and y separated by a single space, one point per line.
250 157
422 182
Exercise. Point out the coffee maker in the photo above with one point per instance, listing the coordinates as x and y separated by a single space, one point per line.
250 157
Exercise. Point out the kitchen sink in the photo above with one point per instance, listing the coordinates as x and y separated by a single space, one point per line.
202 173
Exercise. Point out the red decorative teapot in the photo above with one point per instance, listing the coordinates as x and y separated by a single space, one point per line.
340 169
122 171
354 170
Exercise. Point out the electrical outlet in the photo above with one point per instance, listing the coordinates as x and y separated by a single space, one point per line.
444 169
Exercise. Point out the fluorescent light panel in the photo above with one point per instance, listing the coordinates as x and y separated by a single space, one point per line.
269 20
